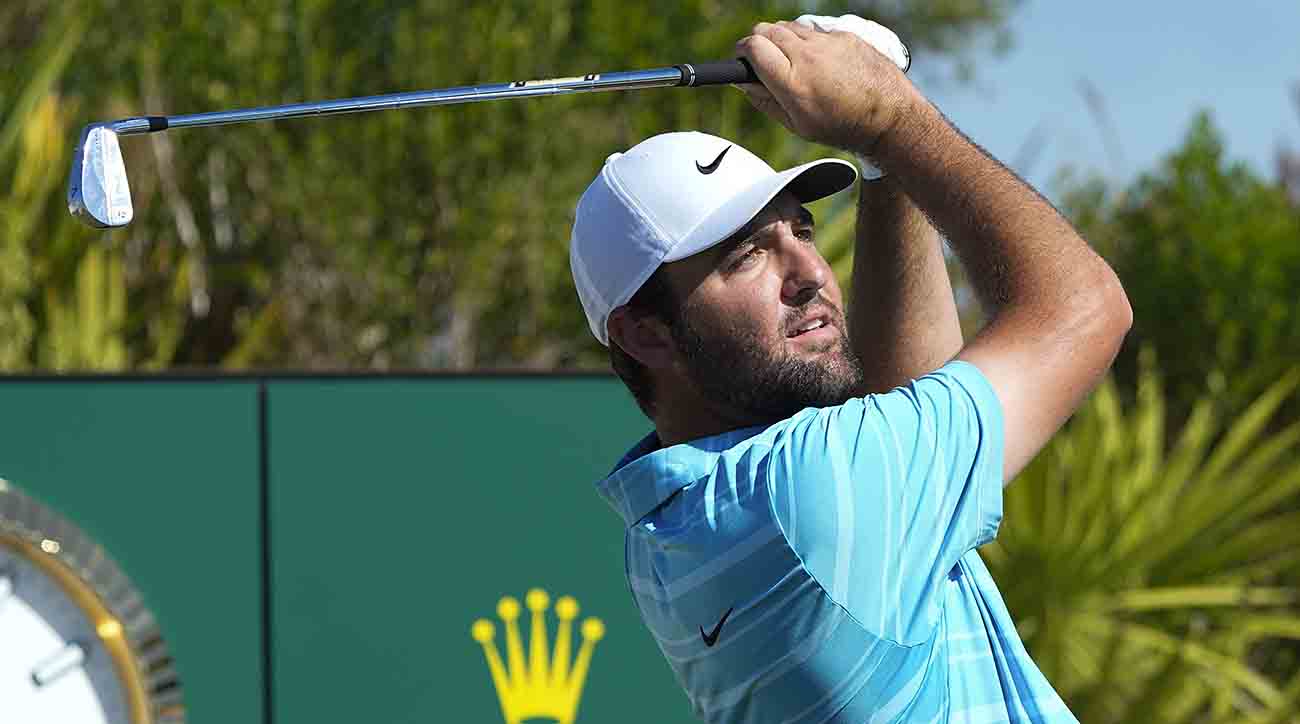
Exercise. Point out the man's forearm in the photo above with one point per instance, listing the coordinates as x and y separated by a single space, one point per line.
902 316
1013 244
1057 312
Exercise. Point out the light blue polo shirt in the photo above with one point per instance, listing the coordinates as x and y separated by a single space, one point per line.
831 559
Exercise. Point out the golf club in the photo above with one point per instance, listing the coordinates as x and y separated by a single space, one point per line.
98 193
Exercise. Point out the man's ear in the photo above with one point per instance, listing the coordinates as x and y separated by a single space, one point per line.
642 336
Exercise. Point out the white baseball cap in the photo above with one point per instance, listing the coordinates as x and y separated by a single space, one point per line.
669 197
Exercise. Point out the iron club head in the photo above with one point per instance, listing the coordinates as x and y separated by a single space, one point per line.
98 193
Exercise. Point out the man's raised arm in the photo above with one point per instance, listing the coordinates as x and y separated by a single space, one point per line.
1057 312
902 316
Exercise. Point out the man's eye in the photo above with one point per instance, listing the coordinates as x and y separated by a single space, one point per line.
745 258
804 234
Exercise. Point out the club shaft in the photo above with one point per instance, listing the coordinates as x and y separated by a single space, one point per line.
625 80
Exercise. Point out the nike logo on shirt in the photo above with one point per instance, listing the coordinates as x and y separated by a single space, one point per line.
711 638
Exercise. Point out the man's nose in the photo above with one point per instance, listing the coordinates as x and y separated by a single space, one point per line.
805 271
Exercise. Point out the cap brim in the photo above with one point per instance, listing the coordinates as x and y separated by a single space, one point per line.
808 182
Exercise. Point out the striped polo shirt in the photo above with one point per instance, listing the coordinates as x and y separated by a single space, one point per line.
823 568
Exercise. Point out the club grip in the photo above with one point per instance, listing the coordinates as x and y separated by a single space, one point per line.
718 73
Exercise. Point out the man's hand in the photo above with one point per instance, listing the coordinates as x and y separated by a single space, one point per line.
830 88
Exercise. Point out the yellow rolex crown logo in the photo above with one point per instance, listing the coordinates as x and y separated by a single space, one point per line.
547 687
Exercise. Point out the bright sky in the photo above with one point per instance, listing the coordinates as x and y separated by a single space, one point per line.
1152 64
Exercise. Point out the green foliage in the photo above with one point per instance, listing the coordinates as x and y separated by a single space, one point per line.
30 136
427 237
1148 583
63 288
1209 254
85 331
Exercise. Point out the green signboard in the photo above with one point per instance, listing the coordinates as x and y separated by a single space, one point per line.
396 549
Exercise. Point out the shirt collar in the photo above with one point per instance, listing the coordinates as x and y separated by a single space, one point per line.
648 474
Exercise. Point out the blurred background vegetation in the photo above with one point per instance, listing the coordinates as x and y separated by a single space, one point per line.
428 238
1151 554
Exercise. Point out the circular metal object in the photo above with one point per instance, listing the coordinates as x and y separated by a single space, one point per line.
79 643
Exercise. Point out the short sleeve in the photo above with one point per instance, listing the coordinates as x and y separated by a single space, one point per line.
881 496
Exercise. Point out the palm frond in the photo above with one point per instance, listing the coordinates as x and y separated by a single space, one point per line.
1143 574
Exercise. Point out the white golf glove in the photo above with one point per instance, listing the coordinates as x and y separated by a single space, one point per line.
877 36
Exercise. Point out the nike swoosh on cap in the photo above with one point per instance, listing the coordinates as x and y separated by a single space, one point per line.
706 170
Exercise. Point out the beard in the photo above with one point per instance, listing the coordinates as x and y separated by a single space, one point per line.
740 373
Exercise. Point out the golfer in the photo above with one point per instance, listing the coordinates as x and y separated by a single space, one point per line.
802 524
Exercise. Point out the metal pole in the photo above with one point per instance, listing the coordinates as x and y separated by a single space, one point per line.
626 80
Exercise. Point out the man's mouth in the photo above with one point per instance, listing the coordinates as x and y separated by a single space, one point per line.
817 324
818 321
